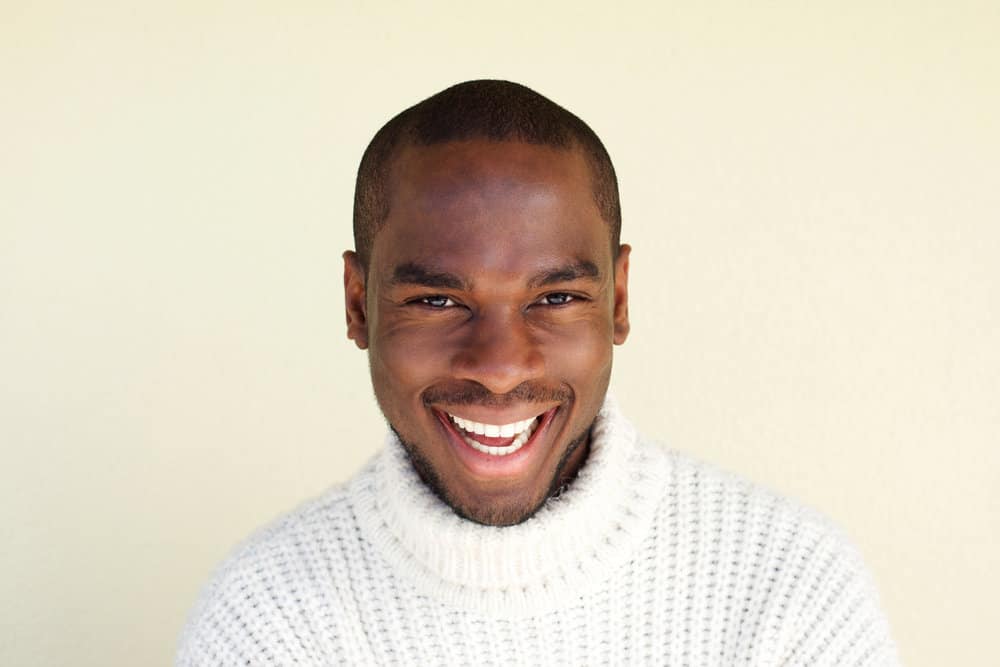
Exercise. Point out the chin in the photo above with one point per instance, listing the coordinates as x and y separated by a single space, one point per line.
509 510
502 509
501 514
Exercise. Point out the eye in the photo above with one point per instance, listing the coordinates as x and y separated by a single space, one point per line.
436 301
557 299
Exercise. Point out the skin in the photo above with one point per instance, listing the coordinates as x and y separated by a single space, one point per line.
480 301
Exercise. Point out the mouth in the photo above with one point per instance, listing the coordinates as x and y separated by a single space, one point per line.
494 444
496 439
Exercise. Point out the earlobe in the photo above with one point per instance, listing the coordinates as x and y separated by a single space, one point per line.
621 323
355 304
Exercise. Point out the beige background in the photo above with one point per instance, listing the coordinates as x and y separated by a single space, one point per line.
812 195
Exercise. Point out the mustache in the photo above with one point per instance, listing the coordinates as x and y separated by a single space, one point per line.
477 394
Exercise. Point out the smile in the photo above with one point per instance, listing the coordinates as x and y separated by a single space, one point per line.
496 439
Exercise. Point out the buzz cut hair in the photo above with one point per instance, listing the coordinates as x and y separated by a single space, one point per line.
487 109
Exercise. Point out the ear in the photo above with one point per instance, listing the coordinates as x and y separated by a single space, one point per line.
621 294
354 300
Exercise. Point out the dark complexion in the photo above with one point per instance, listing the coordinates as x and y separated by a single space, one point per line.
492 294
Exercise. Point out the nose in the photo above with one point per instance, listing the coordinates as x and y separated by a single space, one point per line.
499 352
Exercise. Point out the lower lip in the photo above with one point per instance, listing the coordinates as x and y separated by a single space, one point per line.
489 465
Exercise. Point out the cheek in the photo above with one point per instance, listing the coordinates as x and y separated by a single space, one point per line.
404 356
581 352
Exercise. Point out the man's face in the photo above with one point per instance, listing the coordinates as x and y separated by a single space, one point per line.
490 309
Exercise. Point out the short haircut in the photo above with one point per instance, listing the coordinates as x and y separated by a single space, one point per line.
484 109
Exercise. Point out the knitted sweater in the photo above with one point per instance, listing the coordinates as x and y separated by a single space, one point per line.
648 558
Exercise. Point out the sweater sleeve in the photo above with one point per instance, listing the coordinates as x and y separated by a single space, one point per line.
840 622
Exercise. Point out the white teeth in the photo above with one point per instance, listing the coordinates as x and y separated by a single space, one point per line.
503 451
521 431
492 430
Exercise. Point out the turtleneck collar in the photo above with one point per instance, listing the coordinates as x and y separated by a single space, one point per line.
573 544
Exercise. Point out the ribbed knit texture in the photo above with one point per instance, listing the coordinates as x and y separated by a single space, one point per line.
648 558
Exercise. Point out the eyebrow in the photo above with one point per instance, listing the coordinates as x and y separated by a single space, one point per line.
411 273
564 274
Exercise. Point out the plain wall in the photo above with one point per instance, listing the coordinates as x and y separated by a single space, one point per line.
811 190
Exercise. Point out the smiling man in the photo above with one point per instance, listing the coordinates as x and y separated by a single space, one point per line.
514 516
489 303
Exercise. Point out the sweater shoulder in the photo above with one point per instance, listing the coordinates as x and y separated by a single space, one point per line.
254 603
792 559
283 533
697 487
783 528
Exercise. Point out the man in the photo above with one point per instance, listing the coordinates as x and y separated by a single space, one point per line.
514 516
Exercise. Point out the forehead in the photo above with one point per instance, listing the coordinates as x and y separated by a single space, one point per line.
504 206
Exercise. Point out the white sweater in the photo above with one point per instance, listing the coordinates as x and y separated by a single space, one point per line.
648 558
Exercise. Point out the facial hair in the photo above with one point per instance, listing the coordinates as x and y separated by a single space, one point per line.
492 516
